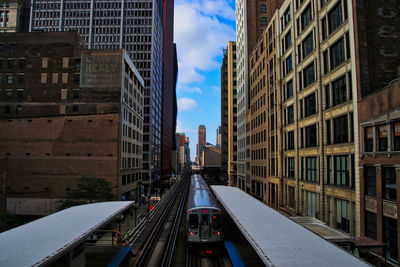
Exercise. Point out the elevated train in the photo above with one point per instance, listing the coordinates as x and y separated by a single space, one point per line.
204 215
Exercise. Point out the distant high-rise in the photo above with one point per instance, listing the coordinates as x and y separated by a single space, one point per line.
229 116
218 137
201 142
136 26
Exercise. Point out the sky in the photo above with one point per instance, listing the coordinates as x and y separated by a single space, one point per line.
202 29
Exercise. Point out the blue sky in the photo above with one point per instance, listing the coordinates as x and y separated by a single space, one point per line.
202 28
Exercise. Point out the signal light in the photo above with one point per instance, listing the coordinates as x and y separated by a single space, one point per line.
191 233
208 251
219 211
218 233
214 217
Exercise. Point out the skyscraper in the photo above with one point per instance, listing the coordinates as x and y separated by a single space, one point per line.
136 26
201 142
218 137
251 20
169 84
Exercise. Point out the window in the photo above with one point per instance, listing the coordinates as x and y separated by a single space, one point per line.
10 63
291 197
306 17
311 136
329 176
327 96
326 62
193 221
310 105
290 167
21 78
263 21
390 238
396 136
370 181
369 139
339 90
328 132
10 79
75 108
11 47
340 128
342 170
312 204
289 93
383 143
389 183
22 63
311 169
308 45
76 78
323 25
288 64
337 53
76 93
286 18
20 94
290 144
290 115
370 225
263 8
343 215
309 75
287 41
335 17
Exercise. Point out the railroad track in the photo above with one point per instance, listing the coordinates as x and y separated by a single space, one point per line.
159 246
202 261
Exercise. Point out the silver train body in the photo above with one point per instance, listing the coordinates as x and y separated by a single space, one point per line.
204 215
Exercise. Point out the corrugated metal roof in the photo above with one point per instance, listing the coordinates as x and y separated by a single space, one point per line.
40 241
278 240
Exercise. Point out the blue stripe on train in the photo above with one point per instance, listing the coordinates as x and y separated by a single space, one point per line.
233 254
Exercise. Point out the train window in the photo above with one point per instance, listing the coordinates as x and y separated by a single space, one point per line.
193 221
204 220
216 222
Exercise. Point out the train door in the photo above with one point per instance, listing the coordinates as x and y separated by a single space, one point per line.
204 227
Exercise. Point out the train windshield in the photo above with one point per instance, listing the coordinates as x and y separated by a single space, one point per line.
193 221
216 222
204 220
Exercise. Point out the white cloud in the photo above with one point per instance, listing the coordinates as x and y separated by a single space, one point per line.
200 36
186 104
186 89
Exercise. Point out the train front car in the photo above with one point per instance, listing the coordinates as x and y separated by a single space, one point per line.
204 216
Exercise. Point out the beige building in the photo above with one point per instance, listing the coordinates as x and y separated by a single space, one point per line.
301 105
10 12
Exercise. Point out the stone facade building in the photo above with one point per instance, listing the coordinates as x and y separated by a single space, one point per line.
67 113
10 13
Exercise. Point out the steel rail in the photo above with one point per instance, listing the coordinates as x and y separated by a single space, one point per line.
146 251
173 235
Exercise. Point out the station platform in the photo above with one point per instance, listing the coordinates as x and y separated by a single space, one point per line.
278 240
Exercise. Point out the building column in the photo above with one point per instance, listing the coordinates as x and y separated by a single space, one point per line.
362 201
379 204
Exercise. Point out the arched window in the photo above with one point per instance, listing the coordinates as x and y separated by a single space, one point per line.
263 8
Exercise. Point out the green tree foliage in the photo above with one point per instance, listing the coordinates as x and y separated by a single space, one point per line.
89 190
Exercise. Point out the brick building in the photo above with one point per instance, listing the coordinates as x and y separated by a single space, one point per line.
66 113
377 28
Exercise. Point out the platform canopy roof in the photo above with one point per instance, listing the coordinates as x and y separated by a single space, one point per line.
45 240
278 240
